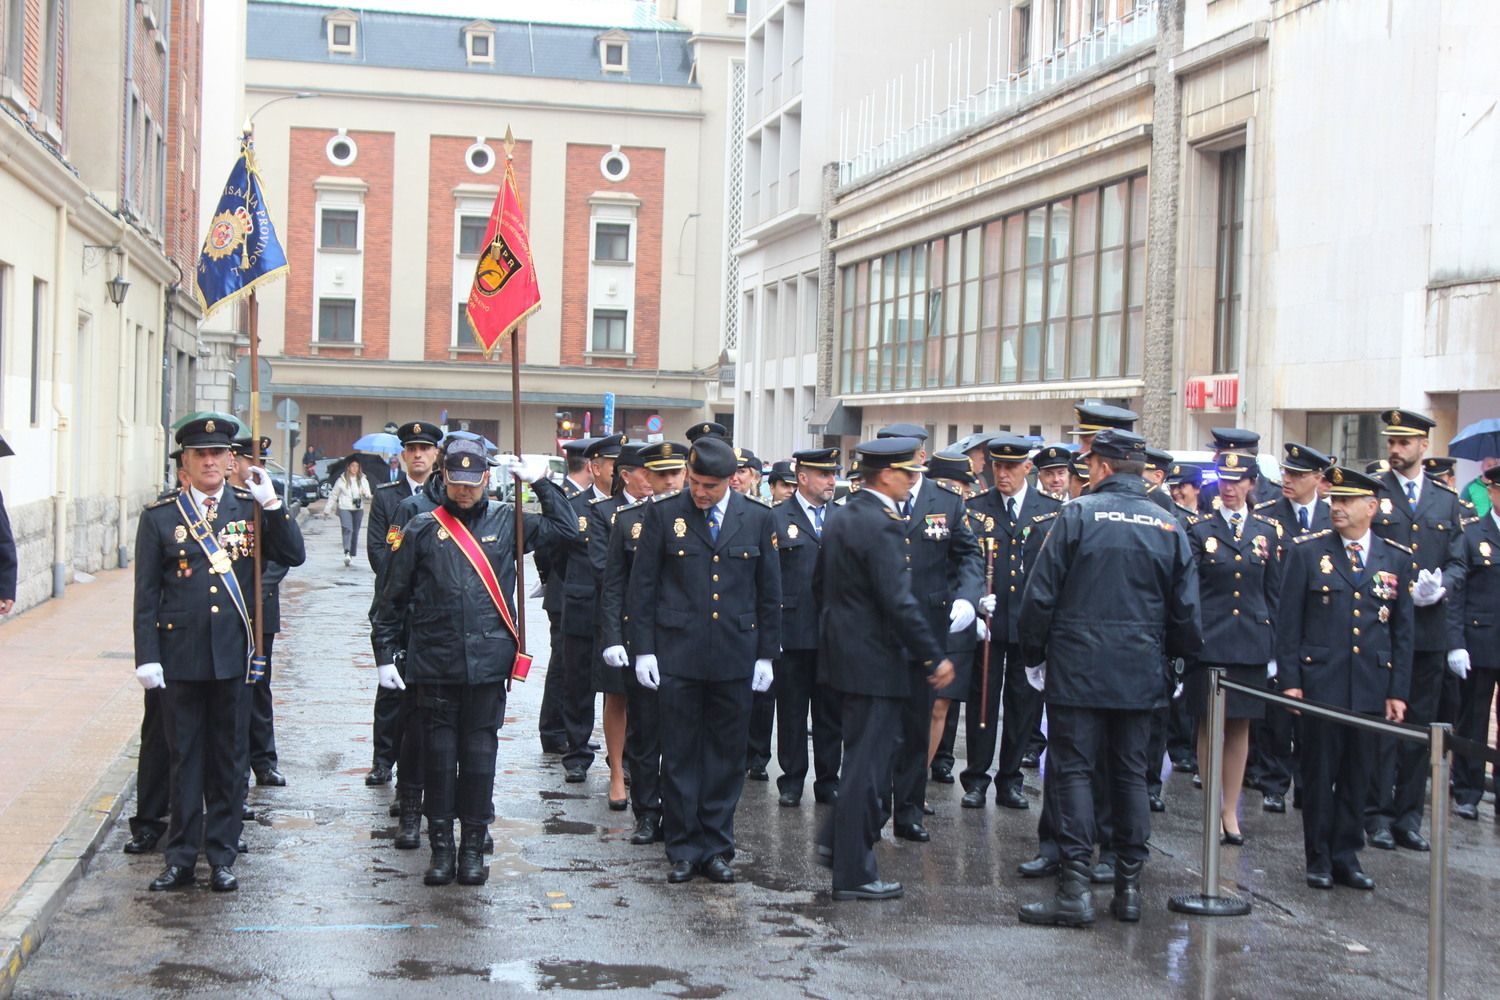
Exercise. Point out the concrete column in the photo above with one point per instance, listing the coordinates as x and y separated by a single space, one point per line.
827 321
1160 394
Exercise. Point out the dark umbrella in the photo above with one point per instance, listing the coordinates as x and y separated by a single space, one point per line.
1477 441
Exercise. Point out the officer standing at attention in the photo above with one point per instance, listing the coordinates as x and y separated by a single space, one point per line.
549 567
664 463
947 570
1474 634
874 634
1426 517
1114 590
1344 638
705 624
746 480
1247 444
448 596
419 453
801 521
194 595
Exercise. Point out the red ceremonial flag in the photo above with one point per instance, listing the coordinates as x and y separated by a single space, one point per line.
505 289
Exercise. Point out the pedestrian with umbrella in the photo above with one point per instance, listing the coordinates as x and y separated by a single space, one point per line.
350 494
1478 442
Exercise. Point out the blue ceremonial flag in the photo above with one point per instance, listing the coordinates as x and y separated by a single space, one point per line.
241 250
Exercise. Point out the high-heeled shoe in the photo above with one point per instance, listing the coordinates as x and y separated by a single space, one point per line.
1231 839
619 805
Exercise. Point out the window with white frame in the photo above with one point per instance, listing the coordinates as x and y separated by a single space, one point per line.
471 220
614 52
479 42
336 320
612 272
612 242
338 229
463 331
610 334
343 32
471 230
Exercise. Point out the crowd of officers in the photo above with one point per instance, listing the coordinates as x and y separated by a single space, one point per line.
1095 582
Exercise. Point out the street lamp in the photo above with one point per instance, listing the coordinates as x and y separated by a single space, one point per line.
115 287
300 95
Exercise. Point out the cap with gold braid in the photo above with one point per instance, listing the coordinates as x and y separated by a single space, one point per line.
420 432
1232 467
1095 417
1406 423
889 453
664 456
1344 482
826 459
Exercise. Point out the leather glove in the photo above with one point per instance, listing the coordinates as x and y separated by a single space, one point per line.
1037 676
615 656
1271 671
764 675
390 678
961 616
1429 588
150 676
987 604
1458 663
258 482
982 629
646 672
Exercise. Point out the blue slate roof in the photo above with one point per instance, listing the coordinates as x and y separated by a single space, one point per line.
295 32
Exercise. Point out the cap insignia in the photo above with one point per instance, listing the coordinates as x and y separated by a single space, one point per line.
209 427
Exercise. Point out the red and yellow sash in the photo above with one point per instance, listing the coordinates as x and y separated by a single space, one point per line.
467 544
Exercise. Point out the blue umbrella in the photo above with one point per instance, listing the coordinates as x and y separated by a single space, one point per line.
379 443
1477 441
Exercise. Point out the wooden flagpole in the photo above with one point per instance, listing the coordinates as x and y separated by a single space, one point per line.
258 622
515 420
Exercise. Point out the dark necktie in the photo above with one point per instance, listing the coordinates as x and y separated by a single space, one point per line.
1010 509
906 506
713 522
1236 519
1411 494
1302 518
1355 562
818 521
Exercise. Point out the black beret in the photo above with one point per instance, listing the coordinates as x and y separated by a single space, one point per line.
711 455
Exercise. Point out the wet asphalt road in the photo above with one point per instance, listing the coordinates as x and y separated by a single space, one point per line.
327 908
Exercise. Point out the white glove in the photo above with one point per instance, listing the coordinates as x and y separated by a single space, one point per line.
961 616
1037 676
645 671
1429 589
982 629
1458 663
1271 671
1177 691
764 675
390 678
532 469
150 676
987 604
615 656
537 589
258 482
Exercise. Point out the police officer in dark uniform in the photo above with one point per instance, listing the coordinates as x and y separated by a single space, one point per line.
460 649
1344 638
194 595
664 462
783 481
801 520
705 624
875 634
1158 464
419 452
763 705
9 563
1114 589
1016 518
1426 517
1245 443
554 735
707 428
1474 638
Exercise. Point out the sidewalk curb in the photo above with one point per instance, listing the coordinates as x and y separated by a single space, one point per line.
24 925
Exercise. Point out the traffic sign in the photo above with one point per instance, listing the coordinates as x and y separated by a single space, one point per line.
288 425
609 413
241 371
287 409
653 424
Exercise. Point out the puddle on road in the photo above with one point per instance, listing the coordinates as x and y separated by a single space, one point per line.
417 971
181 977
557 824
537 977
550 796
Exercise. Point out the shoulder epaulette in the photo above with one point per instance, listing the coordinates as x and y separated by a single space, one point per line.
170 497
946 488
386 486
1280 531
1038 518
1264 504
659 497
841 501
598 500
1465 504
242 494
1471 520
1442 485
1194 519
1060 498
987 491
758 499
632 506
1396 545
891 514
1311 535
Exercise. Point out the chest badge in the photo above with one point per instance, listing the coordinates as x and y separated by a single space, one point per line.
1384 614
179 535
583 523
937 527
679 528
442 534
1211 546
1484 547
791 531
1325 564
635 530
1385 505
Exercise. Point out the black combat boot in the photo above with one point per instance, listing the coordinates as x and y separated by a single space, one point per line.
471 870
1073 906
409 836
1126 906
440 835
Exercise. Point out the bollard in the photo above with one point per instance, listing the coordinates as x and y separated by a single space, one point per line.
1437 881
1209 903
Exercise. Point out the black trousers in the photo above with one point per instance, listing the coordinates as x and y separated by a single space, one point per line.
578 700
462 721
244 724
1473 723
208 789
153 772
1104 827
262 718
704 729
1273 751
1182 731
1012 715
1398 795
386 730
549 721
643 747
944 760
909 772
797 690
1336 766
762 719
411 770
1156 748
850 830
1077 738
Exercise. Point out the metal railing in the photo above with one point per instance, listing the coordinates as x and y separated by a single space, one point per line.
1212 901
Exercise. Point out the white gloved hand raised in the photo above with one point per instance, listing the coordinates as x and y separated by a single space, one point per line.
1037 676
1429 588
981 629
1271 671
1458 663
987 604
961 616
531 469
258 482
646 672
150 676
615 656
390 677
764 675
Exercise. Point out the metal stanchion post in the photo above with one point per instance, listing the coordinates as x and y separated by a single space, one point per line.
1209 902
1437 887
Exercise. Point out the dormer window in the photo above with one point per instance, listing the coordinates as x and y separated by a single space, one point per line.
479 42
343 32
614 52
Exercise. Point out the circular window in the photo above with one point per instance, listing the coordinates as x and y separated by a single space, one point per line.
341 150
480 158
615 165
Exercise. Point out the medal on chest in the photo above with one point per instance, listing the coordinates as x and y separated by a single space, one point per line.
1384 614
937 527
1385 586
1261 547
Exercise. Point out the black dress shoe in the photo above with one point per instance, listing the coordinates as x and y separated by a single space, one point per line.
1012 798
241 848
556 748
789 799
1273 804
913 831
682 871
172 877
1232 839
380 774
943 775
1383 840
647 831
1039 867
1156 803
927 810
1031 760
826 798
247 815
1319 880
1353 878
577 775
757 773
270 776
1412 840
145 843
823 856
222 879
1187 765
871 890
716 869
1463 811
973 799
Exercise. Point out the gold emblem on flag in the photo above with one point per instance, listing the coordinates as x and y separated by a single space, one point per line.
498 265
179 534
226 233
679 528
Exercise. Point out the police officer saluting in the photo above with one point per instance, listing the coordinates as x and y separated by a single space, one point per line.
194 597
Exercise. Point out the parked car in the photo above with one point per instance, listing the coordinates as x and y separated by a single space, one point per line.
301 490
